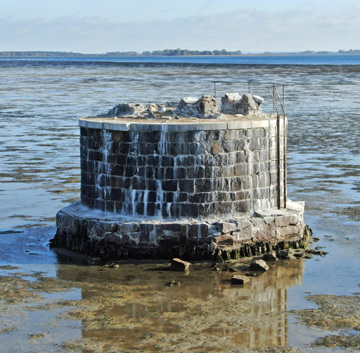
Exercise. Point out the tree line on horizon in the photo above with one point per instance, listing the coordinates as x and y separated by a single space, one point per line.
165 52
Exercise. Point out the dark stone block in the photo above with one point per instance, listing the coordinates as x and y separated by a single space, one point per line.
204 210
191 172
223 207
131 161
113 181
84 131
183 197
144 236
151 137
130 172
153 161
200 172
180 173
189 210
139 195
101 180
116 194
175 210
165 211
194 231
208 172
151 185
150 172
148 148
198 198
188 161
173 149
242 206
141 172
150 209
140 160
169 185
159 173
203 185
123 148
186 186
139 208
169 173
118 170
169 197
191 148
127 183
189 136
167 161
97 156
139 183
151 196
100 205
109 206
121 159
118 207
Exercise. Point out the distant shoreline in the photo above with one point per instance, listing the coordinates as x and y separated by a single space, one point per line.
167 53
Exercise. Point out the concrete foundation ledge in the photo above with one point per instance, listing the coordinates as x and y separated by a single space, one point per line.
109 236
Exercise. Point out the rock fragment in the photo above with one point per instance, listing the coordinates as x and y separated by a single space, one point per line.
271 256
237 279
179 265
259 265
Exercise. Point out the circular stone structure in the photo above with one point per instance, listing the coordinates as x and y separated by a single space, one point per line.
192 188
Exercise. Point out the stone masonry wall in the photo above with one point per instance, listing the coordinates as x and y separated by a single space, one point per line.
185 173
112 237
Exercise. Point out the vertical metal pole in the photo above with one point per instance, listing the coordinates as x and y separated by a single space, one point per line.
284 151
215 89
273 97
278 156
283 94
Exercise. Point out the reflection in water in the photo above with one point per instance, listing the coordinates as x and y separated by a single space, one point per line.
131 307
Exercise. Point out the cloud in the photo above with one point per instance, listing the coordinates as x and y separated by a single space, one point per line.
248 30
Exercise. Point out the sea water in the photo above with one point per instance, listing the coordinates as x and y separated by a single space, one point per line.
42 100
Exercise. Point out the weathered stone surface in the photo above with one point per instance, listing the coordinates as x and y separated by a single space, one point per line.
225 240
227 227
237 279
258 265
282 254
271 256
179 265
204 107
233 103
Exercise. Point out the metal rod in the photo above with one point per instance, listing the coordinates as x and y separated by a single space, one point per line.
271 88
284 163
283 87
280 100
278 161
284 151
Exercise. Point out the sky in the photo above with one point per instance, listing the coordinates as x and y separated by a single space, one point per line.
100 26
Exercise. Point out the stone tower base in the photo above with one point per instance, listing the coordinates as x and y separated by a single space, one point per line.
113 237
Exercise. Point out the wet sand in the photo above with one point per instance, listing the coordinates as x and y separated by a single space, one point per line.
48 305
146 307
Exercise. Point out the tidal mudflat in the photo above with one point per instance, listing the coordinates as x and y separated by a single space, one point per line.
48 304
